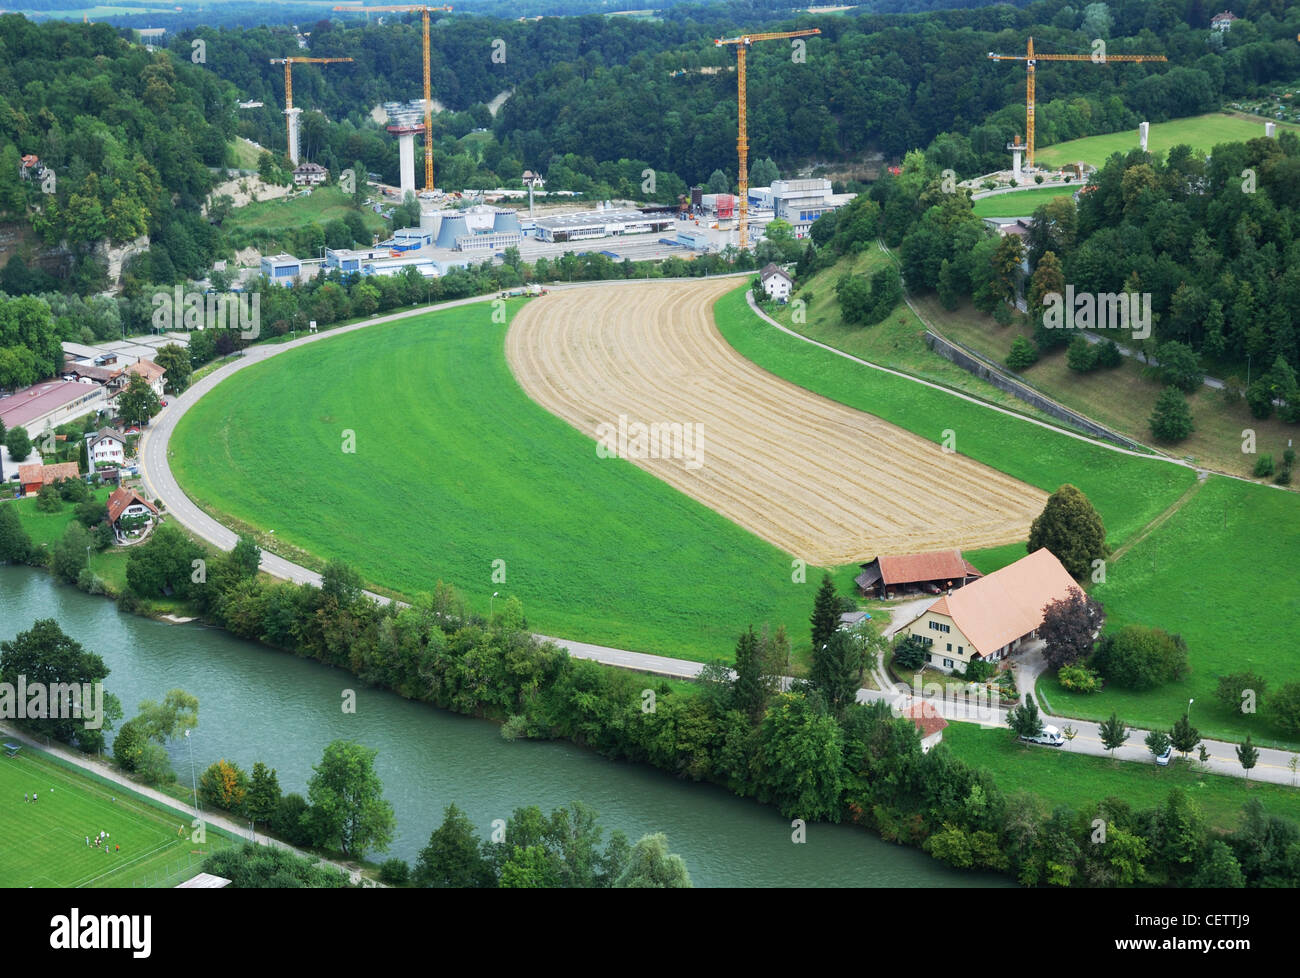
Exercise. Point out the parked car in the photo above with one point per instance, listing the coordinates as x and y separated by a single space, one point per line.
1049 736
1163 759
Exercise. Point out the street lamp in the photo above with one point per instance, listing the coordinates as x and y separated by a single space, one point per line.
193 783
493 603
1189 710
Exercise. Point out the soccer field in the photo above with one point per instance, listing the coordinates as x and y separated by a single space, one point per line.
43 842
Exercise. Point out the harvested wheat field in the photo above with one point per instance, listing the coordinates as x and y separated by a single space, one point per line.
821 481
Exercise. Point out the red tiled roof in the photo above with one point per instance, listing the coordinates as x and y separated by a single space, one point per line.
940 565
147 369
928 720
124 497
45 474
27 474
1008 604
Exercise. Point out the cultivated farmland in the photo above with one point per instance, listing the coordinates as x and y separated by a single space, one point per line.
821 481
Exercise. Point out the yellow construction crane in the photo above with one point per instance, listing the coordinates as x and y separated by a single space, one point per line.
428 88
1030 58
291 141
742 44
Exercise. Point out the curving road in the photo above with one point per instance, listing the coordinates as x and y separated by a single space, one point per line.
158 479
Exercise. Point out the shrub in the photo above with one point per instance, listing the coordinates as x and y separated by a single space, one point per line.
288 822
978 670
1108 354
909 652
1138 657
74 490
1283 477
1022 354
91 513
154 765
49 500
394 872
1082 355
1079 678
1263 466
1171 421
1038 178
1002 314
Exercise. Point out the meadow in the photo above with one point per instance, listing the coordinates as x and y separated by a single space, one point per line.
1060 777
1022 203
1221 573
456 473
44 841
1201 132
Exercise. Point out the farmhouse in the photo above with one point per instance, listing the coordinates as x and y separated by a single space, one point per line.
929 722
776 282
128 504
36 475
934 572
991 617
310 173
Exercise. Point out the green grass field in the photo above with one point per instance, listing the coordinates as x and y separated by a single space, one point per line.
43 843
1220 572
1022 203
1060 777
455 468
1201 132
270 217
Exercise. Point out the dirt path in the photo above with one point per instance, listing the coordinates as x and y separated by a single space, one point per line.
1159 521
819 480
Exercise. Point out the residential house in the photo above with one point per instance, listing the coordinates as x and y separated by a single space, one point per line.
776 282
929 722
933 572
1223 21
125 503
990 618
151 372
34 476
105 446
310 174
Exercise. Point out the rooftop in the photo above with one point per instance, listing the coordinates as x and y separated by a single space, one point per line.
585 218
26 405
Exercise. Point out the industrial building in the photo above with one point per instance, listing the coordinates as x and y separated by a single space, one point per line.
801 202
602 223
281 268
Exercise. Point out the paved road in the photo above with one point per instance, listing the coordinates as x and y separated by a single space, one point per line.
158 478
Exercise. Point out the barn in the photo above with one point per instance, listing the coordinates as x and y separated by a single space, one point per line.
34 476
927 573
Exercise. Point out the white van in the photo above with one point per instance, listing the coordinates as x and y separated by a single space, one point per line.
1050 736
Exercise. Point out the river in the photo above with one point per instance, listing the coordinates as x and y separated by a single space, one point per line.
257 704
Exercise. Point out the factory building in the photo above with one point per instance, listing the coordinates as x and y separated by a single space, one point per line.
801 202
283 269
606 222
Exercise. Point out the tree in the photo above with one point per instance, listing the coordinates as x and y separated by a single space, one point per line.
718 183
1113 733
19 443
177 713
1171 420
348 810
453 858
290 820
61 665
1071 529
837 669
1284 708
163 564
176 361
826 613
752 688
1157 742
138 402
154 765
245 559
909 651
129 744
1025 720
651 865
1047 278
1081 356
224 785
15 544
1022 354
763 172
1069 627
70 556
1179 366
83 459
1218 869
263 794
799 763
1247 755
49 500
1184 736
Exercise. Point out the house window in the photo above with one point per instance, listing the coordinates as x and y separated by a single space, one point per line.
947 663
960 649
949 646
